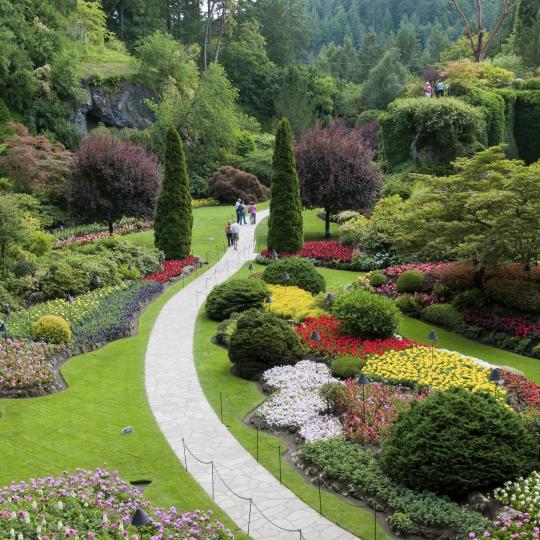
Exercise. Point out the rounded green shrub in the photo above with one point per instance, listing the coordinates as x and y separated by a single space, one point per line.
261 341
444 315
472 298
235 296
409 305
346 367
62 279
376 279
410 281
458 441
401 523
302 273
366 315
24 268
52 328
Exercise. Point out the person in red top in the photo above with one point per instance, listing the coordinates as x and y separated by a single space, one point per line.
428 91
253 213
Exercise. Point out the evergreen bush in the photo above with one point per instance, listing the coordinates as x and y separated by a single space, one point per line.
409 305
285 225
302 273
376 279
235 296
410 281
174 219
261 341
472 298
346 367
456 442
527 125
444 315
52 328
366 315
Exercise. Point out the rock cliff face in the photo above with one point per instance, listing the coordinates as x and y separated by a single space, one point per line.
123 107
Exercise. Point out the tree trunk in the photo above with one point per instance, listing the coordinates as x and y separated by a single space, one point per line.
327 233
111 228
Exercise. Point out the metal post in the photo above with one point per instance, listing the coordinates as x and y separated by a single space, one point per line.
375 523
364 403
185 456
279 461
221 406
257 445
320 498
249 515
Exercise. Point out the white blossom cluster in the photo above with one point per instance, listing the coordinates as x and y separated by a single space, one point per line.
522 494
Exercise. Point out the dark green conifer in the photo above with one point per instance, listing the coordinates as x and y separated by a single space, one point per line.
285 225
174 219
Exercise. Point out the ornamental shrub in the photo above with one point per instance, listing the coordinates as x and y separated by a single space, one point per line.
458 276
24 268
285 224
235 296
401 523
409 305
174 218
366 315
302 273
376 279
226 328
527 125
336 397
346 367
520 294
410 281
61 279
458 441
228 185
444 315
351 232
261 341
52 328
472 298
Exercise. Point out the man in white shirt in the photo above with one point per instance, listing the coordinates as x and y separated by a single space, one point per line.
235 227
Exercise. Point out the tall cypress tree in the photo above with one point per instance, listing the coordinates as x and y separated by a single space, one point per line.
285 226
174 219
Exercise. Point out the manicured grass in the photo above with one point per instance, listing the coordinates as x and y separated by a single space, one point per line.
81 426
240 397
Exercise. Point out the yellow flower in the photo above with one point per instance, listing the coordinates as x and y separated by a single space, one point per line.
292 302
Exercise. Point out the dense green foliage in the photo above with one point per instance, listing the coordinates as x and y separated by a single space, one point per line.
527 125
346 367
301 273
260 341
366 315
174 220
235 296
350 464
51 328
444 315
456 442
285 230
410 281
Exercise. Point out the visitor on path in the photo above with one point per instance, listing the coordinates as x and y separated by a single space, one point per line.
428 91
439 89
235 227
242 209
239 207
229 234
253 213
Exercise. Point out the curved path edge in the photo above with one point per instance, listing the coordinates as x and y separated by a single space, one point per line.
184 415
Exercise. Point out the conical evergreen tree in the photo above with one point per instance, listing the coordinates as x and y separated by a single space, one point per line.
285 225
174 220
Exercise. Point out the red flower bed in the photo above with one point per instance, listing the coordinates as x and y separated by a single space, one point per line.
511 325
527 392
333 343
87 238
426 268
387 289
322 250
172 269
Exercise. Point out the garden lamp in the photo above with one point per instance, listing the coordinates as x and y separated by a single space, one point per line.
161 257
140 518
96 282
268 300
315 336
3 328
494 376
362 381
274 254
6 308
285 276
69 298
251 267
330 298
130 267
432 336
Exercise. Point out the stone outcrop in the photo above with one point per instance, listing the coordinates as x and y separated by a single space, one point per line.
123 106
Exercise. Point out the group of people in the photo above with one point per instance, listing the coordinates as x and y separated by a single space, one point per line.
232 230
439 89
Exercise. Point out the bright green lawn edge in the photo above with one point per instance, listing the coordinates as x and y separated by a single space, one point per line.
81 426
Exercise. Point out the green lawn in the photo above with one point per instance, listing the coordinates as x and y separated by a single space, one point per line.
80 427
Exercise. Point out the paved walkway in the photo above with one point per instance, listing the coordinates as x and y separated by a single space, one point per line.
182 412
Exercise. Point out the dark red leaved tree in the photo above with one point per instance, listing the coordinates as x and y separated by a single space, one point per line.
336 170
113 178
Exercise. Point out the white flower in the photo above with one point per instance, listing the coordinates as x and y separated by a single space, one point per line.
60 505
60 526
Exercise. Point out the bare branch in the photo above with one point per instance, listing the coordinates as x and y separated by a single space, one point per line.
468 28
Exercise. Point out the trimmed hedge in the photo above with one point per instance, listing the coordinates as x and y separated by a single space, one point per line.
410 281
444 315
456 442
346 367
302 273
52 329
527 125
261 341
235 296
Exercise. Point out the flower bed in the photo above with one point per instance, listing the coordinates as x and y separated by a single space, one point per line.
517 326
428 366
93 504
202 203
369 420
296 404
292 302
172 268
24 368
523 495
526 392
333 343
324 250
433 269
514 526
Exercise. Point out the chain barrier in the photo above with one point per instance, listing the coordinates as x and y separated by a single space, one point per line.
252 504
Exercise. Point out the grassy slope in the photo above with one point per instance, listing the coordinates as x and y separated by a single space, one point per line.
80 427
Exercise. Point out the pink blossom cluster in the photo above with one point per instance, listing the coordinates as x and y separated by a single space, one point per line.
87 238
513 526
433 269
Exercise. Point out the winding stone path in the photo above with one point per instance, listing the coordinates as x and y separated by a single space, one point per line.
183 414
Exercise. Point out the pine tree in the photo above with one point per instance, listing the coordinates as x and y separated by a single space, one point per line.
526 35
174 220
285 225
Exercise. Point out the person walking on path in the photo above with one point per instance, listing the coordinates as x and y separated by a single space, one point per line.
235 228
428 91
239 211
253 213
242 208
229 234
439 89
